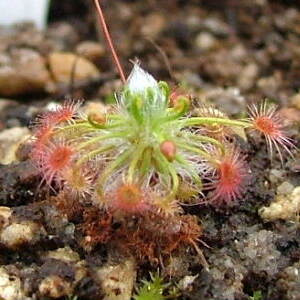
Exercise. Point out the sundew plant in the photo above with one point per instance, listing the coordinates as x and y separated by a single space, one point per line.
147 153
138 162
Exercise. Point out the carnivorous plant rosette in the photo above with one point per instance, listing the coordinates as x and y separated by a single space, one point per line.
147 153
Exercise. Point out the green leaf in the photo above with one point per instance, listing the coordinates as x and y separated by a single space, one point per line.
151 290
257 295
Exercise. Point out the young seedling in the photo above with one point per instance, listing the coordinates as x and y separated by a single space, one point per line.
152 290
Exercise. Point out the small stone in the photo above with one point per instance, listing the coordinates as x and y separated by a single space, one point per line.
61 272
55 287
65 254
239 53
24 150
108 89
18 234
285 188
285 207
90 50
193 21
269 85
10 286
248 76
5 214
10 140
186 282
62 66
24 72
117 280
205 41
290 116
295 101
230 100
62 36
217 26
289 281
153 25
276 176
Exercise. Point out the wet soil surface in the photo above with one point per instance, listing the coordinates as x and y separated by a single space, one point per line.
232 54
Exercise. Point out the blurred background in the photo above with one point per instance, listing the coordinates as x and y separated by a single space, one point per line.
228 52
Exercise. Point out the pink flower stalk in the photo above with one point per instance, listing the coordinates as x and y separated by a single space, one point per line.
268 122
232 175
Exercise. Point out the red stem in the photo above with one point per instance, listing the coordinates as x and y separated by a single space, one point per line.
109 41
